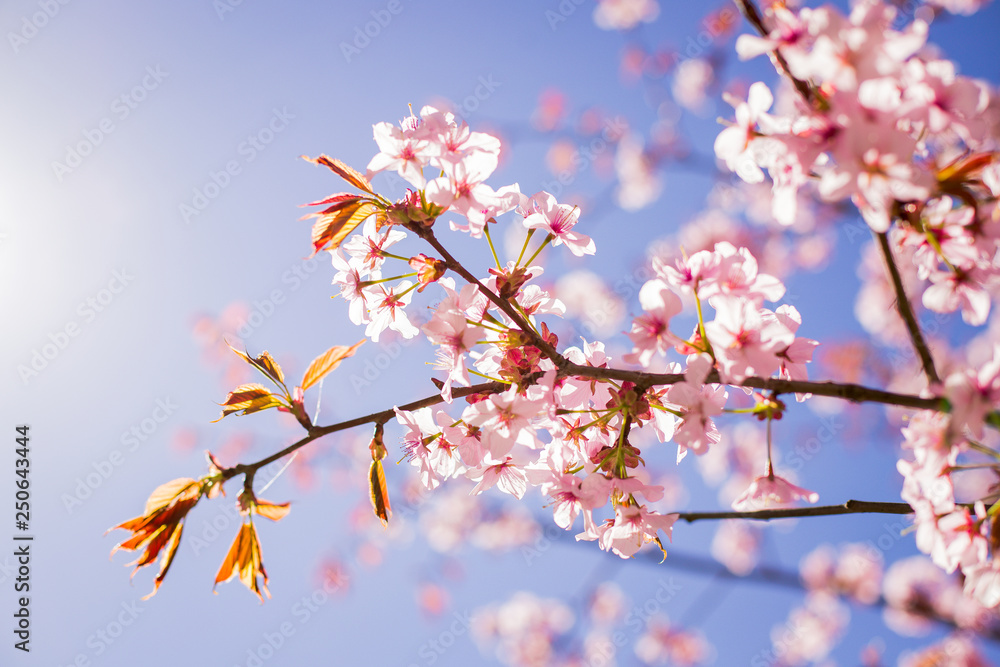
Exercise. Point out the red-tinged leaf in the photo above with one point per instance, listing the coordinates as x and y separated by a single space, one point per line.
237 554
377 446
330 230
379 492
965 167
265 363
244 560
381 219
165 494
249 398
332 199
336 207
167 560
159 530
326 362
347 173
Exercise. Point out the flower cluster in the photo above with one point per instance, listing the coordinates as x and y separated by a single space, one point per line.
554 420
956 536
888 123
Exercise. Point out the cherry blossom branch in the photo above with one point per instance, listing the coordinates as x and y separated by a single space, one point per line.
850 507
750 12
850 392
906 311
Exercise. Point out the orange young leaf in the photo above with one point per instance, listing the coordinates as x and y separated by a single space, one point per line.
379 492
332 199
265 363
326 362
249 503
159 529
272 511
249 398
165 494
244 560
347 173
337 222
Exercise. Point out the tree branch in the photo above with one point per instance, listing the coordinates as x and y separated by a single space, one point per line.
906 311
850 392
380 417
427 234
750 12
850 507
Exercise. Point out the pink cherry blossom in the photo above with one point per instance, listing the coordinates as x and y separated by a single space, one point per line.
699 403
402 151
450 330
349 279
506 475
558 220
387 312
733 143
570 495
462 190
794 357
768 490
959 288
746 339
974 393
504 419
632 528
366 249
451 141
650 332
737 276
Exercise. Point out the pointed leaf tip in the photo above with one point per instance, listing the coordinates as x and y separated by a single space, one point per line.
328 361
349 174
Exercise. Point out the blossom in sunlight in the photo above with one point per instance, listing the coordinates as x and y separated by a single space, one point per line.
733 144
811 631
664 643
699 403
387 310
633 527
691 81
746 339
506 475
650 333
639 185
737 546
625 14
769 490
558 220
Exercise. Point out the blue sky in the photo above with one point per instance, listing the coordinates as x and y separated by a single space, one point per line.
104 270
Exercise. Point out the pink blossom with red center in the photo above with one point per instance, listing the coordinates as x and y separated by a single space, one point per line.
558 220
650 332
387 312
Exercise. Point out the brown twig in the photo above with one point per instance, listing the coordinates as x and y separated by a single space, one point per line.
752 15
851 392
376 417
850 507
427 234
906 311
